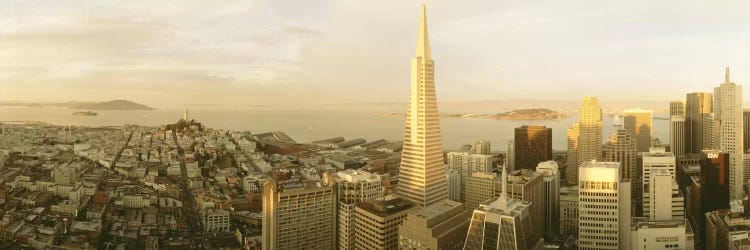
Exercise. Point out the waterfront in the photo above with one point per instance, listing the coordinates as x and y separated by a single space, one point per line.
305 125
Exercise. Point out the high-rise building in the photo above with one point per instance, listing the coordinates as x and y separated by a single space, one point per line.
696 105
481 147
550 172
676 108
677 135
661 197
639 123
603 206
442 225
510 154
309 204
746 130
569 211
527 185
502 223
571 169
655 159
711 193
376 222
422 172
728 109
455 185
468 163
590 131
533 144
353 187
479 188
621 147
664 234
710 125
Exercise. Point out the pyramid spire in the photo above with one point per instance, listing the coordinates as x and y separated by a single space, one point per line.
726 76
423 40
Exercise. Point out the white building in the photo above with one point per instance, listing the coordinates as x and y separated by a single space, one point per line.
728 110
215 220
669 234
550 171
353 187
603 206
661 197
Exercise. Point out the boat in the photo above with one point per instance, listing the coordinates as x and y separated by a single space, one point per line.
85 113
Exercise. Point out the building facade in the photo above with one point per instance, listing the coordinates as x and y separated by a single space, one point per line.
377 222
728 109
479 188
292 206
603 206
639 123
551 174
677 135
353 187
533 144
696 106
422 172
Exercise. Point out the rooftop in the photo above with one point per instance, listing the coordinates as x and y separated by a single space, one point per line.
386 206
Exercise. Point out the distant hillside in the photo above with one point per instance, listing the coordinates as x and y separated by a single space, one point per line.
112 105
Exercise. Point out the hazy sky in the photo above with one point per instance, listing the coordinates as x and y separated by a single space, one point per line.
174 53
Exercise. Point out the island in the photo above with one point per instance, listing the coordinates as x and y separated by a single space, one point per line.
108 105
113 105
518 114
530 114
85 113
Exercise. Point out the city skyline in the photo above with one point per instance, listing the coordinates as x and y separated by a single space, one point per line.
83 50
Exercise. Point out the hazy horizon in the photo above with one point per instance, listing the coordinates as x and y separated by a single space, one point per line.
176 54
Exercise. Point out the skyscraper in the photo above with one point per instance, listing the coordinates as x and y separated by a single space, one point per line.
353 187
677 135
728 109
527 185
479 188
584 138
746 130
621 147
376 222
422 172
713 190
696 106
661 197
533 144
603 206
510 154
676 108
549 170
571 170
310 204
638 123
481 147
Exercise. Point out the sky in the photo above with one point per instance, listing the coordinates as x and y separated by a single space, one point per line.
172 53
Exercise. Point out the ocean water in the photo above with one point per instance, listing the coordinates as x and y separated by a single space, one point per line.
306 125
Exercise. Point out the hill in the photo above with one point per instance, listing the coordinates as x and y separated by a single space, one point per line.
112 105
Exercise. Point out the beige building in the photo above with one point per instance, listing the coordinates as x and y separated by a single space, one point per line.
376 222
677 135
481 147
677 108
662 199
441 225
621 148
664 234
422 172
697 105
603 207
569 211
728 109
479 188
291 208
588 135
353 187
